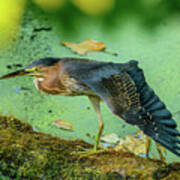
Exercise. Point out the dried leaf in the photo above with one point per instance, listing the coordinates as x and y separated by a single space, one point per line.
110 138
63 125
135 144
84 47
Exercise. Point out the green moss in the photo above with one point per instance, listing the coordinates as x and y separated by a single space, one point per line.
26 154
155 49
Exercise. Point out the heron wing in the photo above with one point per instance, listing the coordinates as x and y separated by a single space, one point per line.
124 89
128 96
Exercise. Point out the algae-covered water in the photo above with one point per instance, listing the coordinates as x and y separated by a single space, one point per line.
156 47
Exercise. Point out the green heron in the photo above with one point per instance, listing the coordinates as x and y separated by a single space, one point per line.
121 86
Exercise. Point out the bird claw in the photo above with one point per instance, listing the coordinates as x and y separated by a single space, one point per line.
88 152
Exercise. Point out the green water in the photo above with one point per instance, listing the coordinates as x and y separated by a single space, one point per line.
156 49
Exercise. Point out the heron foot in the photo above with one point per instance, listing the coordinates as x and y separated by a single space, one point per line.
89 152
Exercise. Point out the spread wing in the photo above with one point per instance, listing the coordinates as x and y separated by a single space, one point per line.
124 89
122 94
127 94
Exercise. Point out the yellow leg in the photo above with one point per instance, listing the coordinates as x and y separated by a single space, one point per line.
96 104
87 152
148 146
160 149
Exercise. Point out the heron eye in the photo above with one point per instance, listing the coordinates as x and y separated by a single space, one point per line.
33 69
36 69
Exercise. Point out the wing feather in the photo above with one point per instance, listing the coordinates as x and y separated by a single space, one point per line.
124 89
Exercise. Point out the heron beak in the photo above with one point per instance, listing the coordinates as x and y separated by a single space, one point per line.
21 72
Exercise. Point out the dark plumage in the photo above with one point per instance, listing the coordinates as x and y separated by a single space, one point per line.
43 62
125 91
121 86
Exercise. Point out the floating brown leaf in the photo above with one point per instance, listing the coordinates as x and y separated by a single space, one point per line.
84 47
63 125
110 138
135 144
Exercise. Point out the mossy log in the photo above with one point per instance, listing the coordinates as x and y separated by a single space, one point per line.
26 154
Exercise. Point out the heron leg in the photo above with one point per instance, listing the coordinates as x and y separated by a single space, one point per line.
148 146
95 101
160 149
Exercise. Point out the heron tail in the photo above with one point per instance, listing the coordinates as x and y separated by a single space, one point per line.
154 119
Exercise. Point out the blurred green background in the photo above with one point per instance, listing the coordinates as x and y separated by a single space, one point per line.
145 30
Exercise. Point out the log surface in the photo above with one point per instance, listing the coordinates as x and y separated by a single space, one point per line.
26 154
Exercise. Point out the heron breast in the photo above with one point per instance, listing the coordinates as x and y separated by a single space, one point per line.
49 87
37 82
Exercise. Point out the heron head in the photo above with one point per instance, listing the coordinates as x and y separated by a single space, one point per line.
35 68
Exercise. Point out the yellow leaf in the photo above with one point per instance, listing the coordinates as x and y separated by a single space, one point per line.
84 47
63 125
94 7
135 144
110 138
10 17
